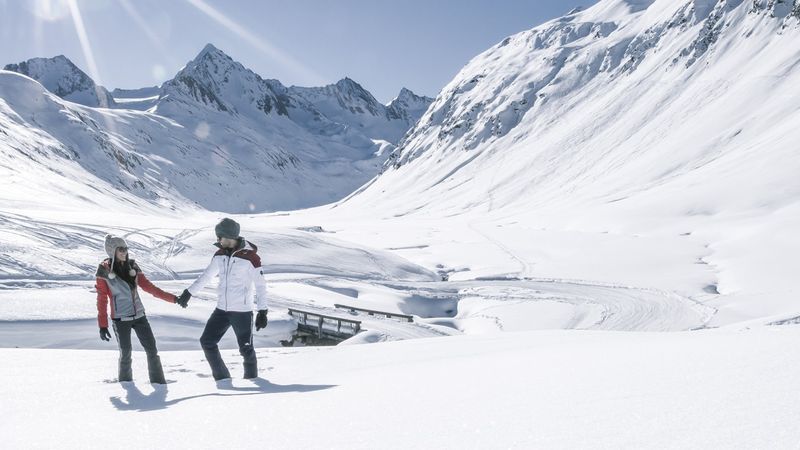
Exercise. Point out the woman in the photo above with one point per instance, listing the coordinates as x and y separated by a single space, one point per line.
117 280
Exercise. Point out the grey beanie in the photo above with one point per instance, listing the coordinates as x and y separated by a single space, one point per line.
112 244
227 228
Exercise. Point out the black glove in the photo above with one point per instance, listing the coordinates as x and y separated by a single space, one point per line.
261 319
183 300
104 334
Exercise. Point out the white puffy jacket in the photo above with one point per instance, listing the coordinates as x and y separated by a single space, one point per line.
238 273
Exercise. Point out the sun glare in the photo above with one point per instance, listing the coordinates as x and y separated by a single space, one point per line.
88 54
158 71
268 49
50 10
86 46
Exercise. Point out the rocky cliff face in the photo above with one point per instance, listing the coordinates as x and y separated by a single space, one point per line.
61 77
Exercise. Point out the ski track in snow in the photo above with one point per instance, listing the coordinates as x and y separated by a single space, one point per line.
623 307
525 267
594 307
441 308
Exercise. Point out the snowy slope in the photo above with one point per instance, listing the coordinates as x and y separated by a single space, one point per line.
609 140
60 155
609 98
710 389
63 78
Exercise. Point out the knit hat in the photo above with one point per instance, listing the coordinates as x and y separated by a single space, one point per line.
227 228
112 244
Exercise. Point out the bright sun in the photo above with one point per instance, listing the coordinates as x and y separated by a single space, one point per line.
50 10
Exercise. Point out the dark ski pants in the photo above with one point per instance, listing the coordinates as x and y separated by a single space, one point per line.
216 327
122 329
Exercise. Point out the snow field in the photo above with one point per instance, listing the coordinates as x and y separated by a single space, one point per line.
543 389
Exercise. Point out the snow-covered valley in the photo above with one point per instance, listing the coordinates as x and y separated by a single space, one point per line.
496 358
593 227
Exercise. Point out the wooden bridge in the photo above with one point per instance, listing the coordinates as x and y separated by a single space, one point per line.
372 312
319 329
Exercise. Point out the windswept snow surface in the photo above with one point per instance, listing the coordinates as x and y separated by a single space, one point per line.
551 389
49 266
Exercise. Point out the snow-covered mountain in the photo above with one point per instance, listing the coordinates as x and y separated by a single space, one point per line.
610 102
63 78
609 141
408 106
598 217
348 102
220 84
217 135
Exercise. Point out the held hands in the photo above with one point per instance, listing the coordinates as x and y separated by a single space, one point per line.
104 334
261 319
183 299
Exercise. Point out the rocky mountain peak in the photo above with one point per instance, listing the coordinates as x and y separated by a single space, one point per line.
408 106
63 78
408 96
354 96
216 80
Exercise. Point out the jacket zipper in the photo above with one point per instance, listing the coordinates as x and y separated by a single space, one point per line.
116 306
133 297
228 265
227 269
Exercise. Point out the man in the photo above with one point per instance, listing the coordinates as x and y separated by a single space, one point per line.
239 269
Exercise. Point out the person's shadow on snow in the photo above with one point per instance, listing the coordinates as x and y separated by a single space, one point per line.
135 400
263 386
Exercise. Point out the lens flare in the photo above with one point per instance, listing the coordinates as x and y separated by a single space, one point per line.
50 10
86 46
158 42
309 76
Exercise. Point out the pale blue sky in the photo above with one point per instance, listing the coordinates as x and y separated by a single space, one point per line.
382 44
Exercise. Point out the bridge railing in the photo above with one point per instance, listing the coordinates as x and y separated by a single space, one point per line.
372 312
325 326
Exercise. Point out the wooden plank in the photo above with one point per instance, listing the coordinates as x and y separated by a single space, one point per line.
317 326
373 312
308 313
